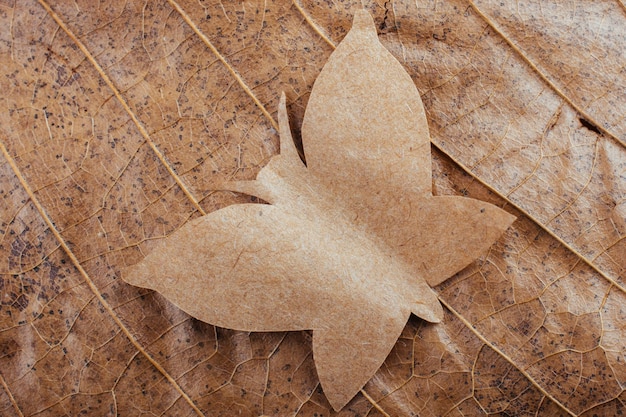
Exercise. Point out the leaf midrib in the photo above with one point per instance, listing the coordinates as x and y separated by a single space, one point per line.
544 77
10 395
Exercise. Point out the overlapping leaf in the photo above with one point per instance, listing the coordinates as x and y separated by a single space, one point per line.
118 119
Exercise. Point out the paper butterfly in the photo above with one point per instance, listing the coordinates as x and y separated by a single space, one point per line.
350 243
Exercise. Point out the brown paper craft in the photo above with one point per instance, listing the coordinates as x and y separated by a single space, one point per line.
350 244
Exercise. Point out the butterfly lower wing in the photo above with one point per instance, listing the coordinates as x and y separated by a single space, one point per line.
346 356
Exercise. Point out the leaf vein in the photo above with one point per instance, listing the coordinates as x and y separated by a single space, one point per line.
10 395
122 101
503 355
89 281
226 64
543 76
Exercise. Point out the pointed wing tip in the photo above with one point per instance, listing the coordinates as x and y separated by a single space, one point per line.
489 216
511 219
503 220
348 352
136 275
337 402
432 313
337 399
436 317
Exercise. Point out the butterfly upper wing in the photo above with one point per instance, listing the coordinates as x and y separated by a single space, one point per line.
365 130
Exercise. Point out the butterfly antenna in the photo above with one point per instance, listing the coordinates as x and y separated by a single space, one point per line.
252 187
288 152
287 146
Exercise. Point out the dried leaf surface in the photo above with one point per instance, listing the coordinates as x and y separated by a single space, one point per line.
118 121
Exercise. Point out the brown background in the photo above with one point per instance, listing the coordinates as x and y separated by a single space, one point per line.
117 119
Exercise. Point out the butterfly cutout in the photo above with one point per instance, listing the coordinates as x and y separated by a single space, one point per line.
350 244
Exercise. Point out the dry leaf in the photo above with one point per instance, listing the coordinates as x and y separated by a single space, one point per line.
350 243
119 119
